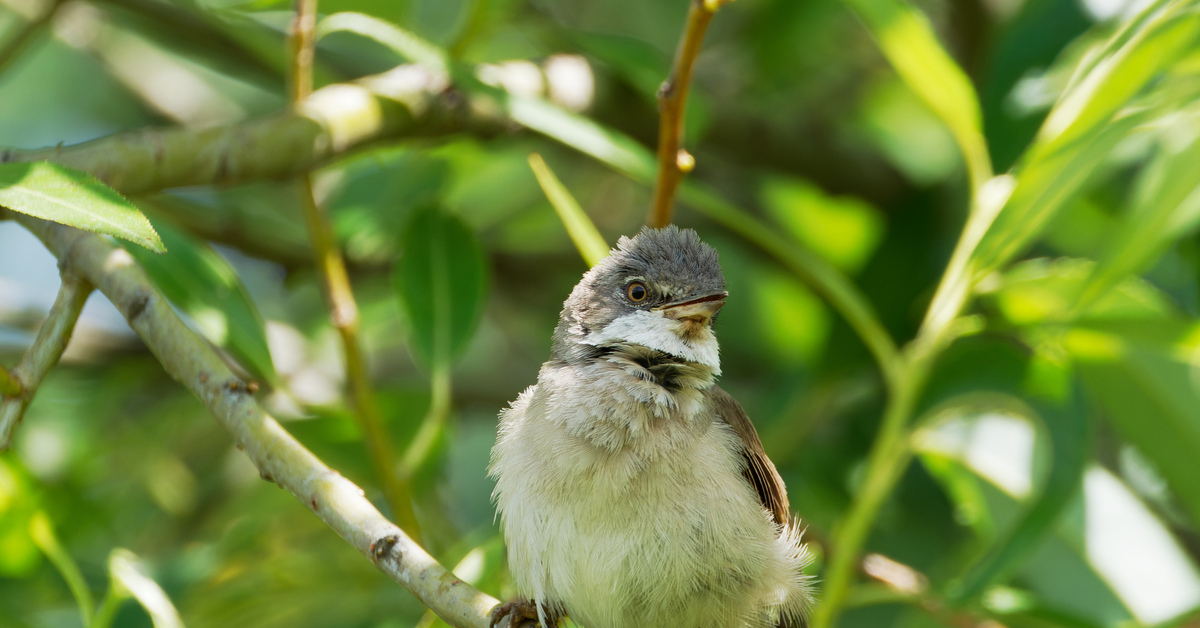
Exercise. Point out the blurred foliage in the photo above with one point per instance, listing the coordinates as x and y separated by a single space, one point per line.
1056 483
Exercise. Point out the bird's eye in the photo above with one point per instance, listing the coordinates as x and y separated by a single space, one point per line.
637 292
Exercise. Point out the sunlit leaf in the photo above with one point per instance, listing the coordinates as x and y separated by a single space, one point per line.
1083 128
42 533
1068 428
124 568
399 40
844 230
583 232
18 553
1047 290
439 280
1151 397
52 192
1165 204
909 43
204 285
611 147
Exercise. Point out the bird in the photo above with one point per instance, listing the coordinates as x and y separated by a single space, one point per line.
632 490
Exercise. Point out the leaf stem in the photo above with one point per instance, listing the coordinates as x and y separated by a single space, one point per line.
435 421
108 607
42 533
43 354
339 295
672 102
890 452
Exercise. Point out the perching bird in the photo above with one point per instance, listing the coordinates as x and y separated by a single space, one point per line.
633 491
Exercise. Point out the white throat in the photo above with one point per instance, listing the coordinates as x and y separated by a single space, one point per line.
655 331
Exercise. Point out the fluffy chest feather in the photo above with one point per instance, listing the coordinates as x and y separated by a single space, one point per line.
624 502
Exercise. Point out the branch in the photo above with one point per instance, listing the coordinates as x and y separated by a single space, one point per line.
9 385
279 458
407 101
673 162
43 354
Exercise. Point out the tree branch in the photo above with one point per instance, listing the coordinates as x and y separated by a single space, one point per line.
407 101
43 354
674 162
279 458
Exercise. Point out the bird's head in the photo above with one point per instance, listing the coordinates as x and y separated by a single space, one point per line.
659 290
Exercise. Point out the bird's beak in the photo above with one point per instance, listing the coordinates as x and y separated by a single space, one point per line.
697 307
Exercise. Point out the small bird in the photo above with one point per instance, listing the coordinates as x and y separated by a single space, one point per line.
633 491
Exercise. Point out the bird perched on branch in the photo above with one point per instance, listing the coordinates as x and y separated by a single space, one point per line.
633 491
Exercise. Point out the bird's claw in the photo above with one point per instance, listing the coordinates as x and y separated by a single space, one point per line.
516 612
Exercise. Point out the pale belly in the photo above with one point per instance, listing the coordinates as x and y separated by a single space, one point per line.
625 542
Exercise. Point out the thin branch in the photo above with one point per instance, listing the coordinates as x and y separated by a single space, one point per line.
339 296
43 354
279 457
673 162
300 46
12 49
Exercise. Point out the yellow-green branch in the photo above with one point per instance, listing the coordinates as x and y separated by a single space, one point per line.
43 354
673 163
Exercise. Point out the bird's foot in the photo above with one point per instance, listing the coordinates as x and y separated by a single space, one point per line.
517 612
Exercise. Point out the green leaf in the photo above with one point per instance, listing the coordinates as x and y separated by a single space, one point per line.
124 569
583 232
1068 428
1084 126
1150 396
402 42
52 192
440 281
909 43
1046 290
611 147
18 505
1166 203
203 284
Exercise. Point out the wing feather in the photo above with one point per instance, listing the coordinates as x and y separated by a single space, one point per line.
760 471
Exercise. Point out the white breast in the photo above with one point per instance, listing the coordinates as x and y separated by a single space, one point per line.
639 517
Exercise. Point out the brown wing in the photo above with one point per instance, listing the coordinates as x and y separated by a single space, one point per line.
760 471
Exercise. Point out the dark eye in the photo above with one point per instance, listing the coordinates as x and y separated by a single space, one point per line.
637 292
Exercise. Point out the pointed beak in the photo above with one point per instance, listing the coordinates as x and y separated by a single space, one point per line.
697 307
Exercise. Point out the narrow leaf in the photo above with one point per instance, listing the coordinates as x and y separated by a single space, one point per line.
1152 400
203 284
909 43
440 281
1084 126
123 568
1068 428
1166 203
402 42
52 192
42 533
583 233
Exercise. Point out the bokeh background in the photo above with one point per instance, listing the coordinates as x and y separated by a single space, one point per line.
796 117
